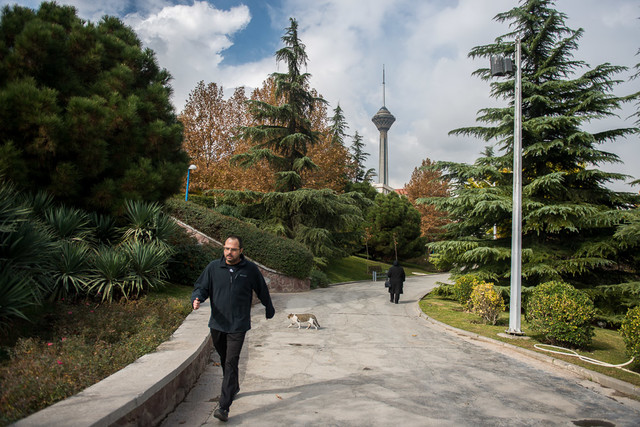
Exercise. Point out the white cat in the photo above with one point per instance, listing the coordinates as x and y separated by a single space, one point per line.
301 318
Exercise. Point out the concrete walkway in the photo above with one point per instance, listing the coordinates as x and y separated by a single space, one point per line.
374 363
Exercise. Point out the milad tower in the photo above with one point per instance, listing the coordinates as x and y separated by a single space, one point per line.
383 121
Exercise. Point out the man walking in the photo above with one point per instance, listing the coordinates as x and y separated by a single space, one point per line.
229 283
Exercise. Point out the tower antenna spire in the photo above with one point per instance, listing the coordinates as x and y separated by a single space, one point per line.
384 103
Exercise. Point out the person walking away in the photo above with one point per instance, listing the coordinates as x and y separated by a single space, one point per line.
396 278
229 284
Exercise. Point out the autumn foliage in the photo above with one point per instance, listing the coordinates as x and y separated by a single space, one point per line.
211 126
426 183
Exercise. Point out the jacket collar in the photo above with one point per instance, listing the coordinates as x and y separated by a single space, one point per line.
223 262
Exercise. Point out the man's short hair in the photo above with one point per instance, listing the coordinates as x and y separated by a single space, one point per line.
238 239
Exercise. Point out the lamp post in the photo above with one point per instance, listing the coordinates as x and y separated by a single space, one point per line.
186 195
499 67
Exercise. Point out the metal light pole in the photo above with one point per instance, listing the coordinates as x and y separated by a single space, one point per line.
186 195
499 66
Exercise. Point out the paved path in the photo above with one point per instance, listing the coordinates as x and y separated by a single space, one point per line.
374 363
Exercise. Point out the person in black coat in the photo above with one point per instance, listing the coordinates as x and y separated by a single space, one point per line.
396 279
229 284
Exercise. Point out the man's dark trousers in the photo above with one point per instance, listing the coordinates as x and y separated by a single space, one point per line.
228 347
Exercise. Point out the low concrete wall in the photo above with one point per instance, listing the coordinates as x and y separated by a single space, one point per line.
277 282
142 393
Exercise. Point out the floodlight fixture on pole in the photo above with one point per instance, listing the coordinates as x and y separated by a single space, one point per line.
499 67
186 194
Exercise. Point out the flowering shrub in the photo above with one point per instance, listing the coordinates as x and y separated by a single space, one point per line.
486 302
463 287
630 331
561 313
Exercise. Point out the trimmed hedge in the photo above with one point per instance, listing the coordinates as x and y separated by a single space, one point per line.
284 255
190 258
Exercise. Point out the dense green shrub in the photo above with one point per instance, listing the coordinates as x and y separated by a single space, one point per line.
318 279
445 290
561 313
630 331
189 258
486 302
284 255
462 288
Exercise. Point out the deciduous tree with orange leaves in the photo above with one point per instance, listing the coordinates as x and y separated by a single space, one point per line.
426 182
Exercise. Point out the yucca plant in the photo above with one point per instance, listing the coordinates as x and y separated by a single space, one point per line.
148 264
165 227
104 228
39 202
67 223
25 256
15 296
109 275
142 218
70 270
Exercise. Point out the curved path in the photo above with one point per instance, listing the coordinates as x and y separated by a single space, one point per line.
375 363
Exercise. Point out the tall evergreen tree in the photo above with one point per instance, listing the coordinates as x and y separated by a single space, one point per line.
84 110
284 132
569 215
338 127
359 157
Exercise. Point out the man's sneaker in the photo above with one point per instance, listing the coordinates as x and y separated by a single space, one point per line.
221 414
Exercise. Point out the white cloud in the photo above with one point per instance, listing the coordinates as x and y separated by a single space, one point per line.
189 40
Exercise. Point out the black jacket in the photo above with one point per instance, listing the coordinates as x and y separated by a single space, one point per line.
230 289
396 278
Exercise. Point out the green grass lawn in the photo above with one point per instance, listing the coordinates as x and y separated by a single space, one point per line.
355 268
607 345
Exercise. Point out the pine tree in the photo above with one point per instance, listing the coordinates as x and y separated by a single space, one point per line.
284 131
85 111
569 215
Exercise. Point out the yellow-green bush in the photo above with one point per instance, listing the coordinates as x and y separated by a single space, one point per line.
561 313
630 331
462 288
486 302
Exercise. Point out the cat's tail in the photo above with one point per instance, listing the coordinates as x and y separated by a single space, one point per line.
316 322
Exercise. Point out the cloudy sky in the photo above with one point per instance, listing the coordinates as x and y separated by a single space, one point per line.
423 45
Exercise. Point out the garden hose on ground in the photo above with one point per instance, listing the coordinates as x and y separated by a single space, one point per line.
568 352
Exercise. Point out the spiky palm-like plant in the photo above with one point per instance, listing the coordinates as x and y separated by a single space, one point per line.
110 274
146 222
70 270
67 223
148 264
25 256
